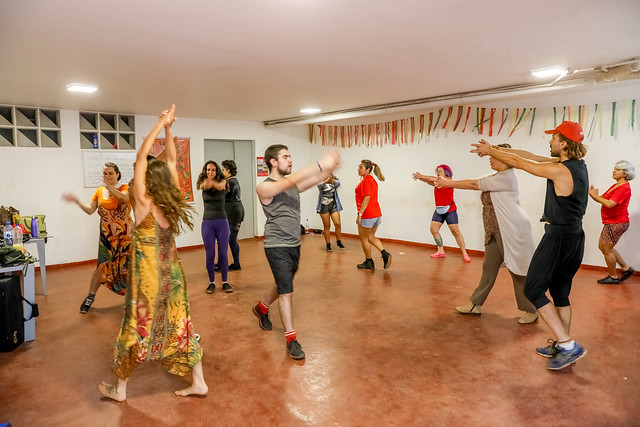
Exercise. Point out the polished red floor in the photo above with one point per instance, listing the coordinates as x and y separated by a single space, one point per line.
383 348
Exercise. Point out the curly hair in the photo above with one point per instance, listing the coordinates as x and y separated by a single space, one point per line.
574 150
167 196
203 175
627 168
369 165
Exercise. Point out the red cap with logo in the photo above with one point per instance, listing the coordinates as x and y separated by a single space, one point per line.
571 130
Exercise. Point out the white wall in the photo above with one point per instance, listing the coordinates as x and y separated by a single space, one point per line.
407 205
33 179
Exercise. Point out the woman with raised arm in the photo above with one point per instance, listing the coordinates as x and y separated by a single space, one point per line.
369 214
234 209
507 235
329 208
157 322
615 220
116 226
215 227
446 210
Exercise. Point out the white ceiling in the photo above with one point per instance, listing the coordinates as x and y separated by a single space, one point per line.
267 59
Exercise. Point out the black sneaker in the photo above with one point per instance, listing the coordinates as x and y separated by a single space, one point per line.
328 247
227 288
295 350
263 318
386 257
340 245
627 273
86 305
367 264
609 281
549 351
235 267
211 288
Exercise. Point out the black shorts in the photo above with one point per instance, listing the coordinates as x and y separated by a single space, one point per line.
555 261
284 265
330 208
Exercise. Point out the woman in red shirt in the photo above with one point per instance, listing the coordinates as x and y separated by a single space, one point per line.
446 210
615 217
369 213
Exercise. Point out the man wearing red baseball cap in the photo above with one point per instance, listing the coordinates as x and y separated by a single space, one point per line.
559 253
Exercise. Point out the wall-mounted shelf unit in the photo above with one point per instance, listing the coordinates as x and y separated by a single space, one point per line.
29 127
113 131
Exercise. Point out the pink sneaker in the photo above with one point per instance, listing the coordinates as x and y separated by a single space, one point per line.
438 255
467 258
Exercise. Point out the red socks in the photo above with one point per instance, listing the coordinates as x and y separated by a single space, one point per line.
264 308
290 336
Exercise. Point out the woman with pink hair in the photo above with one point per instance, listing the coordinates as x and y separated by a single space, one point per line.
446 210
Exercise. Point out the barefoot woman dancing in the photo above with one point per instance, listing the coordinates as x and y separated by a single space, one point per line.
157 324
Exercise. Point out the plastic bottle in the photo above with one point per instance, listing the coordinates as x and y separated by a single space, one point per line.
8 234
17 239
95 140
34 226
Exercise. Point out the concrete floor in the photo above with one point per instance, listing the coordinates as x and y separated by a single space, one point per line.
383 348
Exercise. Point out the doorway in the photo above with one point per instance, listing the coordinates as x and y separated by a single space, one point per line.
241 152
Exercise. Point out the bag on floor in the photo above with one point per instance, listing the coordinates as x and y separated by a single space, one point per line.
11 313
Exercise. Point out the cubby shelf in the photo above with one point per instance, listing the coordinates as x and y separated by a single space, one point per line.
112 131
29 127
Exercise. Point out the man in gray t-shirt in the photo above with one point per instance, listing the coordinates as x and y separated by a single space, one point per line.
279 195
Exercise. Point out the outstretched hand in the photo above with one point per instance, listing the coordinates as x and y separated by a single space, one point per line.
440 182
416 176
330 161
481 148
593 191
69 197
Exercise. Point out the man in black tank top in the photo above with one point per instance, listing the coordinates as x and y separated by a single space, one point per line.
559 253
280 199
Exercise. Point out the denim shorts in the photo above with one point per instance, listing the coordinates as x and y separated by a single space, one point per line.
370 222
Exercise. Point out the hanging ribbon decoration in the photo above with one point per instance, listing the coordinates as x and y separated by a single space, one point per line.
444 126
467 119
504 119
613 117
460 110
533 117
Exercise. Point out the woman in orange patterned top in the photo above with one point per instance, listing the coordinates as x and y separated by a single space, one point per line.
112 204
157 321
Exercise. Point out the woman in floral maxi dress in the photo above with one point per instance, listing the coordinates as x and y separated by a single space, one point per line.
157 322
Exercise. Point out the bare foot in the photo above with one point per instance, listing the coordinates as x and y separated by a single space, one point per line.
111 392
200 390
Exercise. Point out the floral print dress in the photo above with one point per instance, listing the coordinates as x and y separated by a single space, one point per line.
156 324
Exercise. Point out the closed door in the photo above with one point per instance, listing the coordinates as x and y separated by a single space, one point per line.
241 152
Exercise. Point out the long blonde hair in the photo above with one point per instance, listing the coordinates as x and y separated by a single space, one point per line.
166 196
369 165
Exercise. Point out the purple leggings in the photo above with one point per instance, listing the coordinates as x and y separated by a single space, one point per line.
212 230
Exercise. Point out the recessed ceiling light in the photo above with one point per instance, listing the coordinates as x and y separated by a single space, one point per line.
310 110
78 87
549 72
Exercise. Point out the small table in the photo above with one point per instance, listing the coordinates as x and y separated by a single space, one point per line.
40 242
29 293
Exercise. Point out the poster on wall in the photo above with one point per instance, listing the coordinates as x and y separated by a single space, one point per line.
262 167
184 163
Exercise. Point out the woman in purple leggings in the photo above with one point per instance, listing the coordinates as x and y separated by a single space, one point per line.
215 226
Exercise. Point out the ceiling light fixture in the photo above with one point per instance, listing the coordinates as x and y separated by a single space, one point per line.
82 88
310 110
554 71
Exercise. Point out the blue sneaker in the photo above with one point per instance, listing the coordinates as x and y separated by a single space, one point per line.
565 358
549 351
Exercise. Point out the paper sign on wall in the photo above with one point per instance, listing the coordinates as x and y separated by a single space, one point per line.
262 167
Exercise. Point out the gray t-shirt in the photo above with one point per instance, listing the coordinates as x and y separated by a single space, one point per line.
282 228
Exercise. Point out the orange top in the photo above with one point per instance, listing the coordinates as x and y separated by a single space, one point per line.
110 203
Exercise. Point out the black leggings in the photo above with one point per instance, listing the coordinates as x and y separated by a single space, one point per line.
233 243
